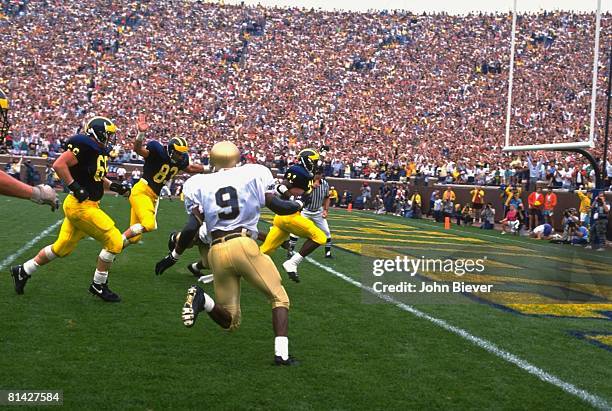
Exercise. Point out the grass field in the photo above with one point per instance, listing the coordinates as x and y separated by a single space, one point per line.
354 354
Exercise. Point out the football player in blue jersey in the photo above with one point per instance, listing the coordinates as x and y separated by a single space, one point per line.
298 182
161 165
83 168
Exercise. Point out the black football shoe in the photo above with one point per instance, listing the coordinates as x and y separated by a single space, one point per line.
105 293
172 241
20 277
278 360
194 305
194 270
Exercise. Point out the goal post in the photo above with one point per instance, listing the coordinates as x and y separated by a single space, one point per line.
578 145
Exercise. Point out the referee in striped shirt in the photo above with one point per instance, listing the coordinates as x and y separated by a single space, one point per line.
317 211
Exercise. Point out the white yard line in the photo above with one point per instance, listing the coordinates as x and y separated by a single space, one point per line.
592 399
8 260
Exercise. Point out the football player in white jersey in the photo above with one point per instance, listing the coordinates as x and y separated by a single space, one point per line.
228 202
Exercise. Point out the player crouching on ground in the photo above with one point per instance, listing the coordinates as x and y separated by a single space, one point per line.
228 202
160 166
9 186
83 167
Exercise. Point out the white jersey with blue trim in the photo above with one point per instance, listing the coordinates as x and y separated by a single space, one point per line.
230 199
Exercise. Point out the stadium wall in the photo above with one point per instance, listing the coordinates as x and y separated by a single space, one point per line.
492 193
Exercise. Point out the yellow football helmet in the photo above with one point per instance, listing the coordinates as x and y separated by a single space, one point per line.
309 159
224 154
4 123
102 130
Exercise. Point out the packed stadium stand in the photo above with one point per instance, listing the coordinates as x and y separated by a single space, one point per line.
392 93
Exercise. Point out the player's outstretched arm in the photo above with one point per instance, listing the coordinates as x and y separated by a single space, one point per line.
117 188
282 207
141 126
196 169
41 194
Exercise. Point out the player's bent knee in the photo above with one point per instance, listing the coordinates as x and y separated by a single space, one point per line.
149 224
63 248
107 256
280 299
48 250
319 237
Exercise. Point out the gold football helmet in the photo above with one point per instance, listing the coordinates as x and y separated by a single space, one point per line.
224 154
4 108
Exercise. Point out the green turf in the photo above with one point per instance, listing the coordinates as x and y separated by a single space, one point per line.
355 355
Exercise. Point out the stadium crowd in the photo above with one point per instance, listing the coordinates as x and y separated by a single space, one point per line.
393 94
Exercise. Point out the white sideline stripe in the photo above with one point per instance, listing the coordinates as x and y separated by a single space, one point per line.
592 399
29 245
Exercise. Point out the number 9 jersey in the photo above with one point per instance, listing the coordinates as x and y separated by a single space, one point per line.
230 198
92 165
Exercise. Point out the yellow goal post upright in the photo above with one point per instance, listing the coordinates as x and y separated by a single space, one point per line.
580 147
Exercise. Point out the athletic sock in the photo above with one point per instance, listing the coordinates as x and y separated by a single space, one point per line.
328 246
199 265
175 255
100 277
281 347
292 241
297 258
30 266
126 242
209 303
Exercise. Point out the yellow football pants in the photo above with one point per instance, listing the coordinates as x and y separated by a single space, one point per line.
295 224
241 257
86 219
143 202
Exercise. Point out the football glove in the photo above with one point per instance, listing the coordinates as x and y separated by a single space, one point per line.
44 194
120 189
79 192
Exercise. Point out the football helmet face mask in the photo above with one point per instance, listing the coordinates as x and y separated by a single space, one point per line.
310 159
4 123
177 149
103 131
224 154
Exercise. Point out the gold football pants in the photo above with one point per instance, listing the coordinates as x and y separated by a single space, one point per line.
241 257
